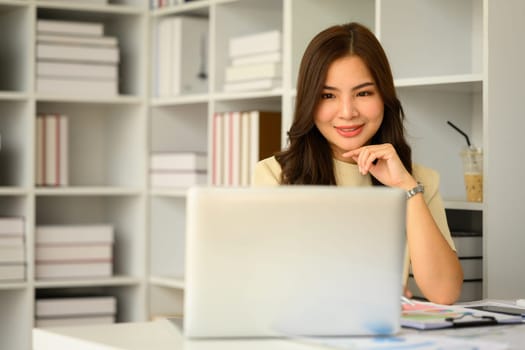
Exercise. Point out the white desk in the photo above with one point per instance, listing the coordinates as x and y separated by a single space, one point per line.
163 334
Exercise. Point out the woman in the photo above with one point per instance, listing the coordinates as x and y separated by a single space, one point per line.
348 131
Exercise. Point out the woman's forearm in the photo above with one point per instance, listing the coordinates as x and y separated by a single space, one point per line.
435 264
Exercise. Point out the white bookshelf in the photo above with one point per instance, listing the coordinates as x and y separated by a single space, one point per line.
439 54
107 159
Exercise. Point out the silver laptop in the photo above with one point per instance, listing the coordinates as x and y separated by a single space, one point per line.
293 261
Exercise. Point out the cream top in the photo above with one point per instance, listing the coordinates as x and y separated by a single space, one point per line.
268 172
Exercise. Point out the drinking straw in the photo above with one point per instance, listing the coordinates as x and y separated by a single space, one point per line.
460 131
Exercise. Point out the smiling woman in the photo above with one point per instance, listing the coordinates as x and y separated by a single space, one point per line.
348 131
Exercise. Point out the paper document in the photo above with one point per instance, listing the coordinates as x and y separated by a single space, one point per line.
424 315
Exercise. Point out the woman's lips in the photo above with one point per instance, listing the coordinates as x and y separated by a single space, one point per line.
349 131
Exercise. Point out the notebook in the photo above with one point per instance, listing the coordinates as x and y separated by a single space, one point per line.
293 261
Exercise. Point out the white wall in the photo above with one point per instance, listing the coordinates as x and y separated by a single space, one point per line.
504 214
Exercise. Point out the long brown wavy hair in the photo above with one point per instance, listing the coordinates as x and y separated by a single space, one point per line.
308 158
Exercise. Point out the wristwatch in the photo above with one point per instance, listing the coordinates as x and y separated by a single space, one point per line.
418 189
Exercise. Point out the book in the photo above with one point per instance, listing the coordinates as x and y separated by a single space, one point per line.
73 270
425 316
181 53
98 2
64 234
265 57
231 156
74 321
12 226
71 306
240 140
12 254
78 53
245 146
178 161
76 87
11 241
267 41
12 272
253 71
265 135
66 39
250 85
218 148
163 55
70 252
178 179
51 69
235 149
40 151
227 149
69 27
52 147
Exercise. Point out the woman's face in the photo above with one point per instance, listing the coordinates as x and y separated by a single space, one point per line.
350 110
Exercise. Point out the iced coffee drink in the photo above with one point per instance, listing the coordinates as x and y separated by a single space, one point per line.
473 174
474 187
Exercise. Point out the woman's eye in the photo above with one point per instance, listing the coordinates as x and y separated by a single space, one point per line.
326 96
364 93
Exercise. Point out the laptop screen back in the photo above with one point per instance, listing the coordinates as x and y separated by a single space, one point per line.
293 260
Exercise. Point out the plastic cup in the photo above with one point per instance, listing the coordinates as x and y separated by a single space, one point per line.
473 174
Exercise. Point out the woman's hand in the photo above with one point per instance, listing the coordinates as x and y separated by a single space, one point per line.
383 163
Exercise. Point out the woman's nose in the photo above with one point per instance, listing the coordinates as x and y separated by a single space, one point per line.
348 108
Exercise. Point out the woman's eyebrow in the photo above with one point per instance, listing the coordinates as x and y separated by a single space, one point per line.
357 87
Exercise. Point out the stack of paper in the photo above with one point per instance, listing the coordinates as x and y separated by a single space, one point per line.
255 62
73 251
178 169
75 58
12 249
52 312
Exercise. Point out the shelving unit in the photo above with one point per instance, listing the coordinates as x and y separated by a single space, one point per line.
439 54
107 163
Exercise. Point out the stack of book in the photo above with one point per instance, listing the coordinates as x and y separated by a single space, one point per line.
71 311
52 144
73 251
178 169
240 139
181 56
157 4
12 249
97 2
75 58
255 62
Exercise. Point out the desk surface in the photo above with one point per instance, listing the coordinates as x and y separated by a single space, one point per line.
163 334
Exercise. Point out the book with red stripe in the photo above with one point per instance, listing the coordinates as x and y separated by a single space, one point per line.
52 150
